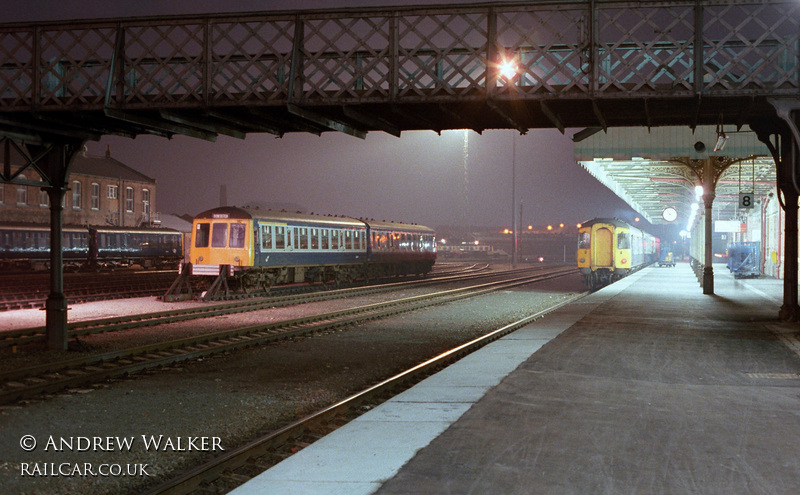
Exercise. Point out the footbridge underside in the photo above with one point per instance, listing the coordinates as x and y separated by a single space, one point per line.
520 65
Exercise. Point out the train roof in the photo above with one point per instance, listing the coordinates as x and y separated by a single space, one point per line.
37 226
285 216
616 222
409 227
110 229
278 216
45 227
613 221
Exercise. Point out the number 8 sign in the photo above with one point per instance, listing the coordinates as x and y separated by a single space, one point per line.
746 200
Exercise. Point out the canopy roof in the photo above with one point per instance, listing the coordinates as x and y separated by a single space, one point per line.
647 168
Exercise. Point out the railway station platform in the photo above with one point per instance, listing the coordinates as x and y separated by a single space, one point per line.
646 386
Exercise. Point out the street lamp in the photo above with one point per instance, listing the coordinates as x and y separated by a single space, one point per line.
514 200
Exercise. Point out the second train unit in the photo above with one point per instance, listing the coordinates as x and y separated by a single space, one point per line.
609 249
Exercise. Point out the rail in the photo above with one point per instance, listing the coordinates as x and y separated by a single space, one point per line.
55 376
307 428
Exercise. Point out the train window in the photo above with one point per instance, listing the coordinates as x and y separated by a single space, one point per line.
280 237
348 240
623 241
323 239
583 240
266 237
293 236
314 234
237 235
334 239
201 235
219 234
303 232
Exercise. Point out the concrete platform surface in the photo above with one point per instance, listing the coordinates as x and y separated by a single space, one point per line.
644 387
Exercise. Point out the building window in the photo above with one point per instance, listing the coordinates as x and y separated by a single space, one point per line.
146 203
95 196
22 192
44 199
113 192
129 199
76 195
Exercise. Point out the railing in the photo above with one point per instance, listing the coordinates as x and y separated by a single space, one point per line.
562 50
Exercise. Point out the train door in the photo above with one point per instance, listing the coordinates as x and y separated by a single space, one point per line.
603 247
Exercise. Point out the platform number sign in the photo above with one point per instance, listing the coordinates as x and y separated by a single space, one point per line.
746 200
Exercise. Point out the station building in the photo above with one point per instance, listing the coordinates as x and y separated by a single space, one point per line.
101 191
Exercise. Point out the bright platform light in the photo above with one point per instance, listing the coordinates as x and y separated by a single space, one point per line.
508 69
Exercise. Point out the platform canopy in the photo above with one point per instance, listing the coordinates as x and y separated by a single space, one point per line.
642 166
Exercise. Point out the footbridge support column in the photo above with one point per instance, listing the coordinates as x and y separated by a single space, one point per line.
53 162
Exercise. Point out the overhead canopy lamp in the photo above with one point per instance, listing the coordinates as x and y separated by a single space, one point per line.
722 138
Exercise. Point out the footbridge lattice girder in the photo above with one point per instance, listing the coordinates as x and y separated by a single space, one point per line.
575 64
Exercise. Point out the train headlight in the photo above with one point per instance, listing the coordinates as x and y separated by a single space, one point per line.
200 258
583 260
236 259
624 261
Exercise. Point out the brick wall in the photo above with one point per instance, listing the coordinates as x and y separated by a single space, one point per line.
82 206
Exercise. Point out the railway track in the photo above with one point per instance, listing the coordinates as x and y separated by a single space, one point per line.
20 337
235 467
30 291
80 372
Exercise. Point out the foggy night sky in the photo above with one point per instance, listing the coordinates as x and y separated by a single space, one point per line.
418 178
